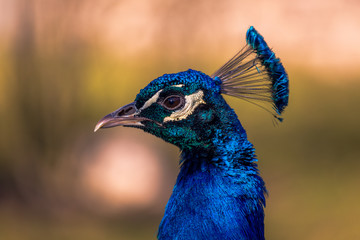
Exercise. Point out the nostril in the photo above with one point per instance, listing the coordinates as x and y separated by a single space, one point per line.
127 110
121 113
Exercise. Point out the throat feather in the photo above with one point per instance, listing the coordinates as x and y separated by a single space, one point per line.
208 203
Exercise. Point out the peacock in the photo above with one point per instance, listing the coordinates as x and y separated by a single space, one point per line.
219 193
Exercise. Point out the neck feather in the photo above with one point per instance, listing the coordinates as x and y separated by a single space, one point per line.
219 193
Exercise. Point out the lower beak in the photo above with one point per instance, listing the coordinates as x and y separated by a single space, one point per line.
126 115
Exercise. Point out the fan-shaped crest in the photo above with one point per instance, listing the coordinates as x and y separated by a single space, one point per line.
255 74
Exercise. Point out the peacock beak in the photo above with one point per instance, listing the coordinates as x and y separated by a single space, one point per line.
124 116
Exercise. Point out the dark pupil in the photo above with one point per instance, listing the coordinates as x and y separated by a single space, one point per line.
172 102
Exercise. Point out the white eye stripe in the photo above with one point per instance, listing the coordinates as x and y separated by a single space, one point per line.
152 100
155 97
191 103
179 85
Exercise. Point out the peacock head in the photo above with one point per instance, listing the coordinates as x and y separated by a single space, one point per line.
183 108
187 108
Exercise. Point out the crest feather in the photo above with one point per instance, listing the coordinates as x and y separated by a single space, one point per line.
255 73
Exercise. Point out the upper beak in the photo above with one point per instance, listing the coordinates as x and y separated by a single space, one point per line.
126 115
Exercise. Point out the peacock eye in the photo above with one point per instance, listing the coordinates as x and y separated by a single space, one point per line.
173 102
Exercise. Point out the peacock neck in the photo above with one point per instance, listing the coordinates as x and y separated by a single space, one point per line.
218 194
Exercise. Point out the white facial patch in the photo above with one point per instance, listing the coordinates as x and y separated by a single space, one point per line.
179 85
152 100
191 103
155 97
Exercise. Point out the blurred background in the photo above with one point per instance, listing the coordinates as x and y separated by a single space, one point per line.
65 64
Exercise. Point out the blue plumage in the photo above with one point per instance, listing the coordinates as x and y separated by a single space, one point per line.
219 193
